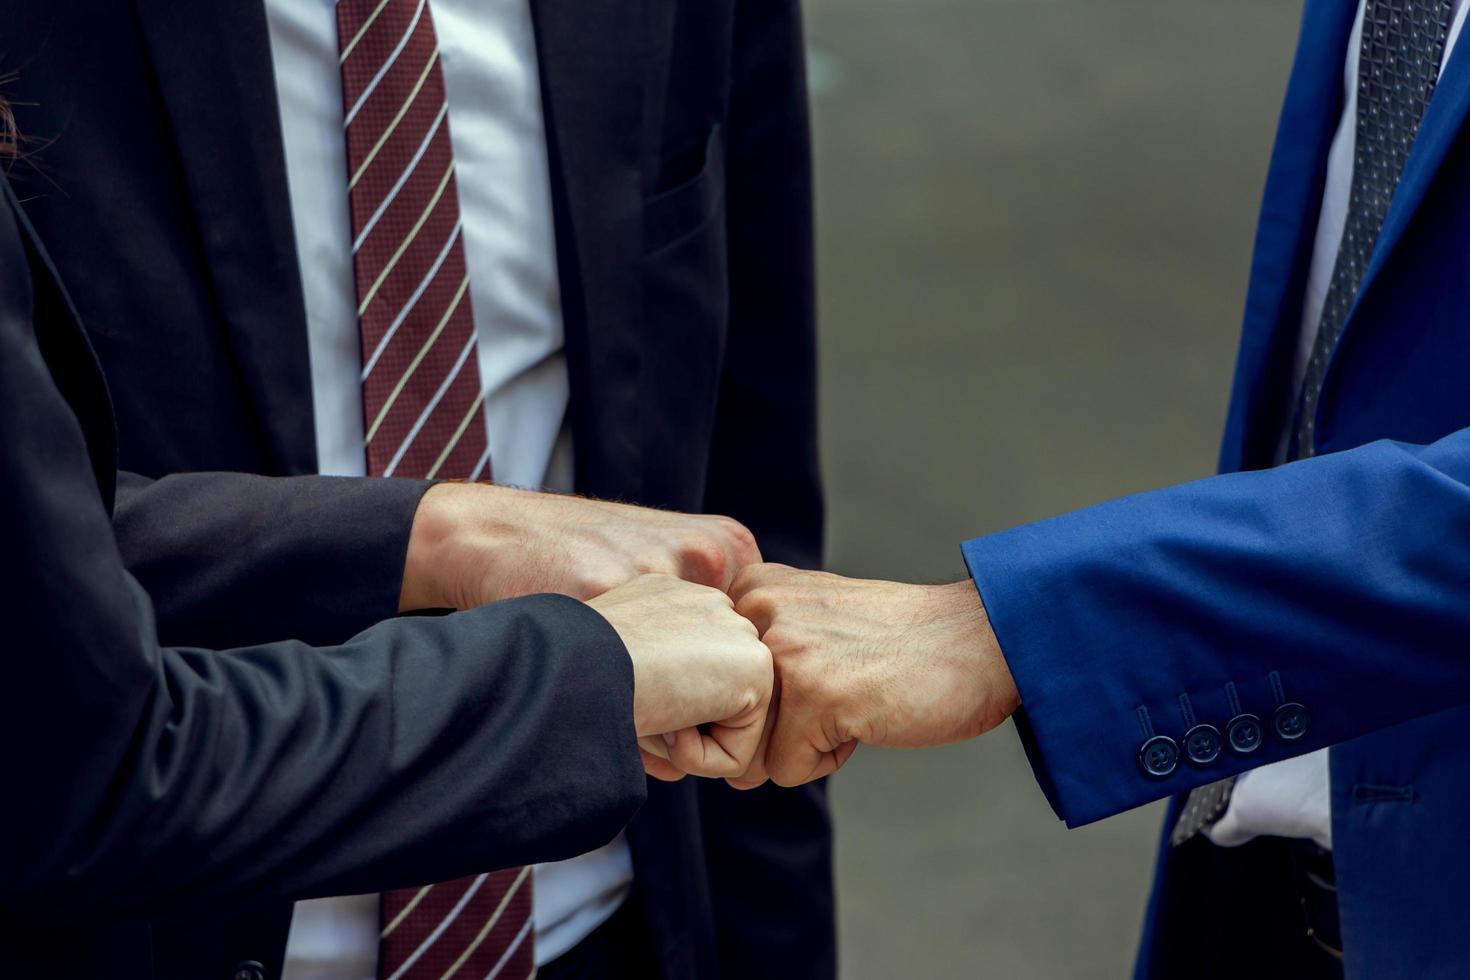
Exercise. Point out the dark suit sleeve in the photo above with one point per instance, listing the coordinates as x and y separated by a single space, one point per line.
1339 583
769 851
146 780
232 558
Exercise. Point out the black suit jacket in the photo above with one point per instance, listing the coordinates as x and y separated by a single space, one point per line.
149 782
681 190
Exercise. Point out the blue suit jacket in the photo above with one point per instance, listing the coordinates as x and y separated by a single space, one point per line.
1340 583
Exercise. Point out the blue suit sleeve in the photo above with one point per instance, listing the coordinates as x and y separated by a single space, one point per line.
1340 583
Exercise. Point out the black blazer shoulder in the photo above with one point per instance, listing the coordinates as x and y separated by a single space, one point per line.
63 344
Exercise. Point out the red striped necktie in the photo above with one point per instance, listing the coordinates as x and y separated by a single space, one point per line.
422 400
421 393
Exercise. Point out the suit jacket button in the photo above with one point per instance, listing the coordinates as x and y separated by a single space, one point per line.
1159 756
1291 721
1202 744
248 970
1244 734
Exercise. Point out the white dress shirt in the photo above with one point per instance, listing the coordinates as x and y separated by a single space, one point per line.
1293 798
488 56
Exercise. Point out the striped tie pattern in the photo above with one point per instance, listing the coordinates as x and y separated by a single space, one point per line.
422 400
420 378
478 928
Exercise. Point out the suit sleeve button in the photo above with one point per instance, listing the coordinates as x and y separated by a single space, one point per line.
1291 721
1202 744
1159 756
1244 734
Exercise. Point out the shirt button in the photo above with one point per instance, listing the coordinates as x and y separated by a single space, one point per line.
248 970
1202 744
1244 734
1291 721
1159 756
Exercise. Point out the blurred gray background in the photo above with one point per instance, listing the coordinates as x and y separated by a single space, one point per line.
1034 228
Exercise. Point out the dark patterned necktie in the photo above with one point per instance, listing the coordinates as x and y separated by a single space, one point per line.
422 400
1398 66
1403 44
421 391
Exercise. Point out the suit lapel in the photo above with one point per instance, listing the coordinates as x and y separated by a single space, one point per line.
1441 125
1285 234
593 83
217 82
1437 132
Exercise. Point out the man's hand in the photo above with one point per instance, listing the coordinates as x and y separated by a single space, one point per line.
701 676
474 543
863 661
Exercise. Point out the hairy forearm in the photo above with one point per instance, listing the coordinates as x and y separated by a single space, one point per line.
475 543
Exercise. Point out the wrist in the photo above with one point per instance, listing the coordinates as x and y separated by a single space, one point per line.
973 635
607 606
422 587
452 547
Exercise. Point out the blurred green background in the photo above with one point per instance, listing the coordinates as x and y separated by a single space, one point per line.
1034 222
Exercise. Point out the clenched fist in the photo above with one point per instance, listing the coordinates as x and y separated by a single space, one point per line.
864 661
701 675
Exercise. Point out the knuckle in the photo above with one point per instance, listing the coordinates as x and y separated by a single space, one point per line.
749 579
757 690
740 537
757 596
753 607
702 560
